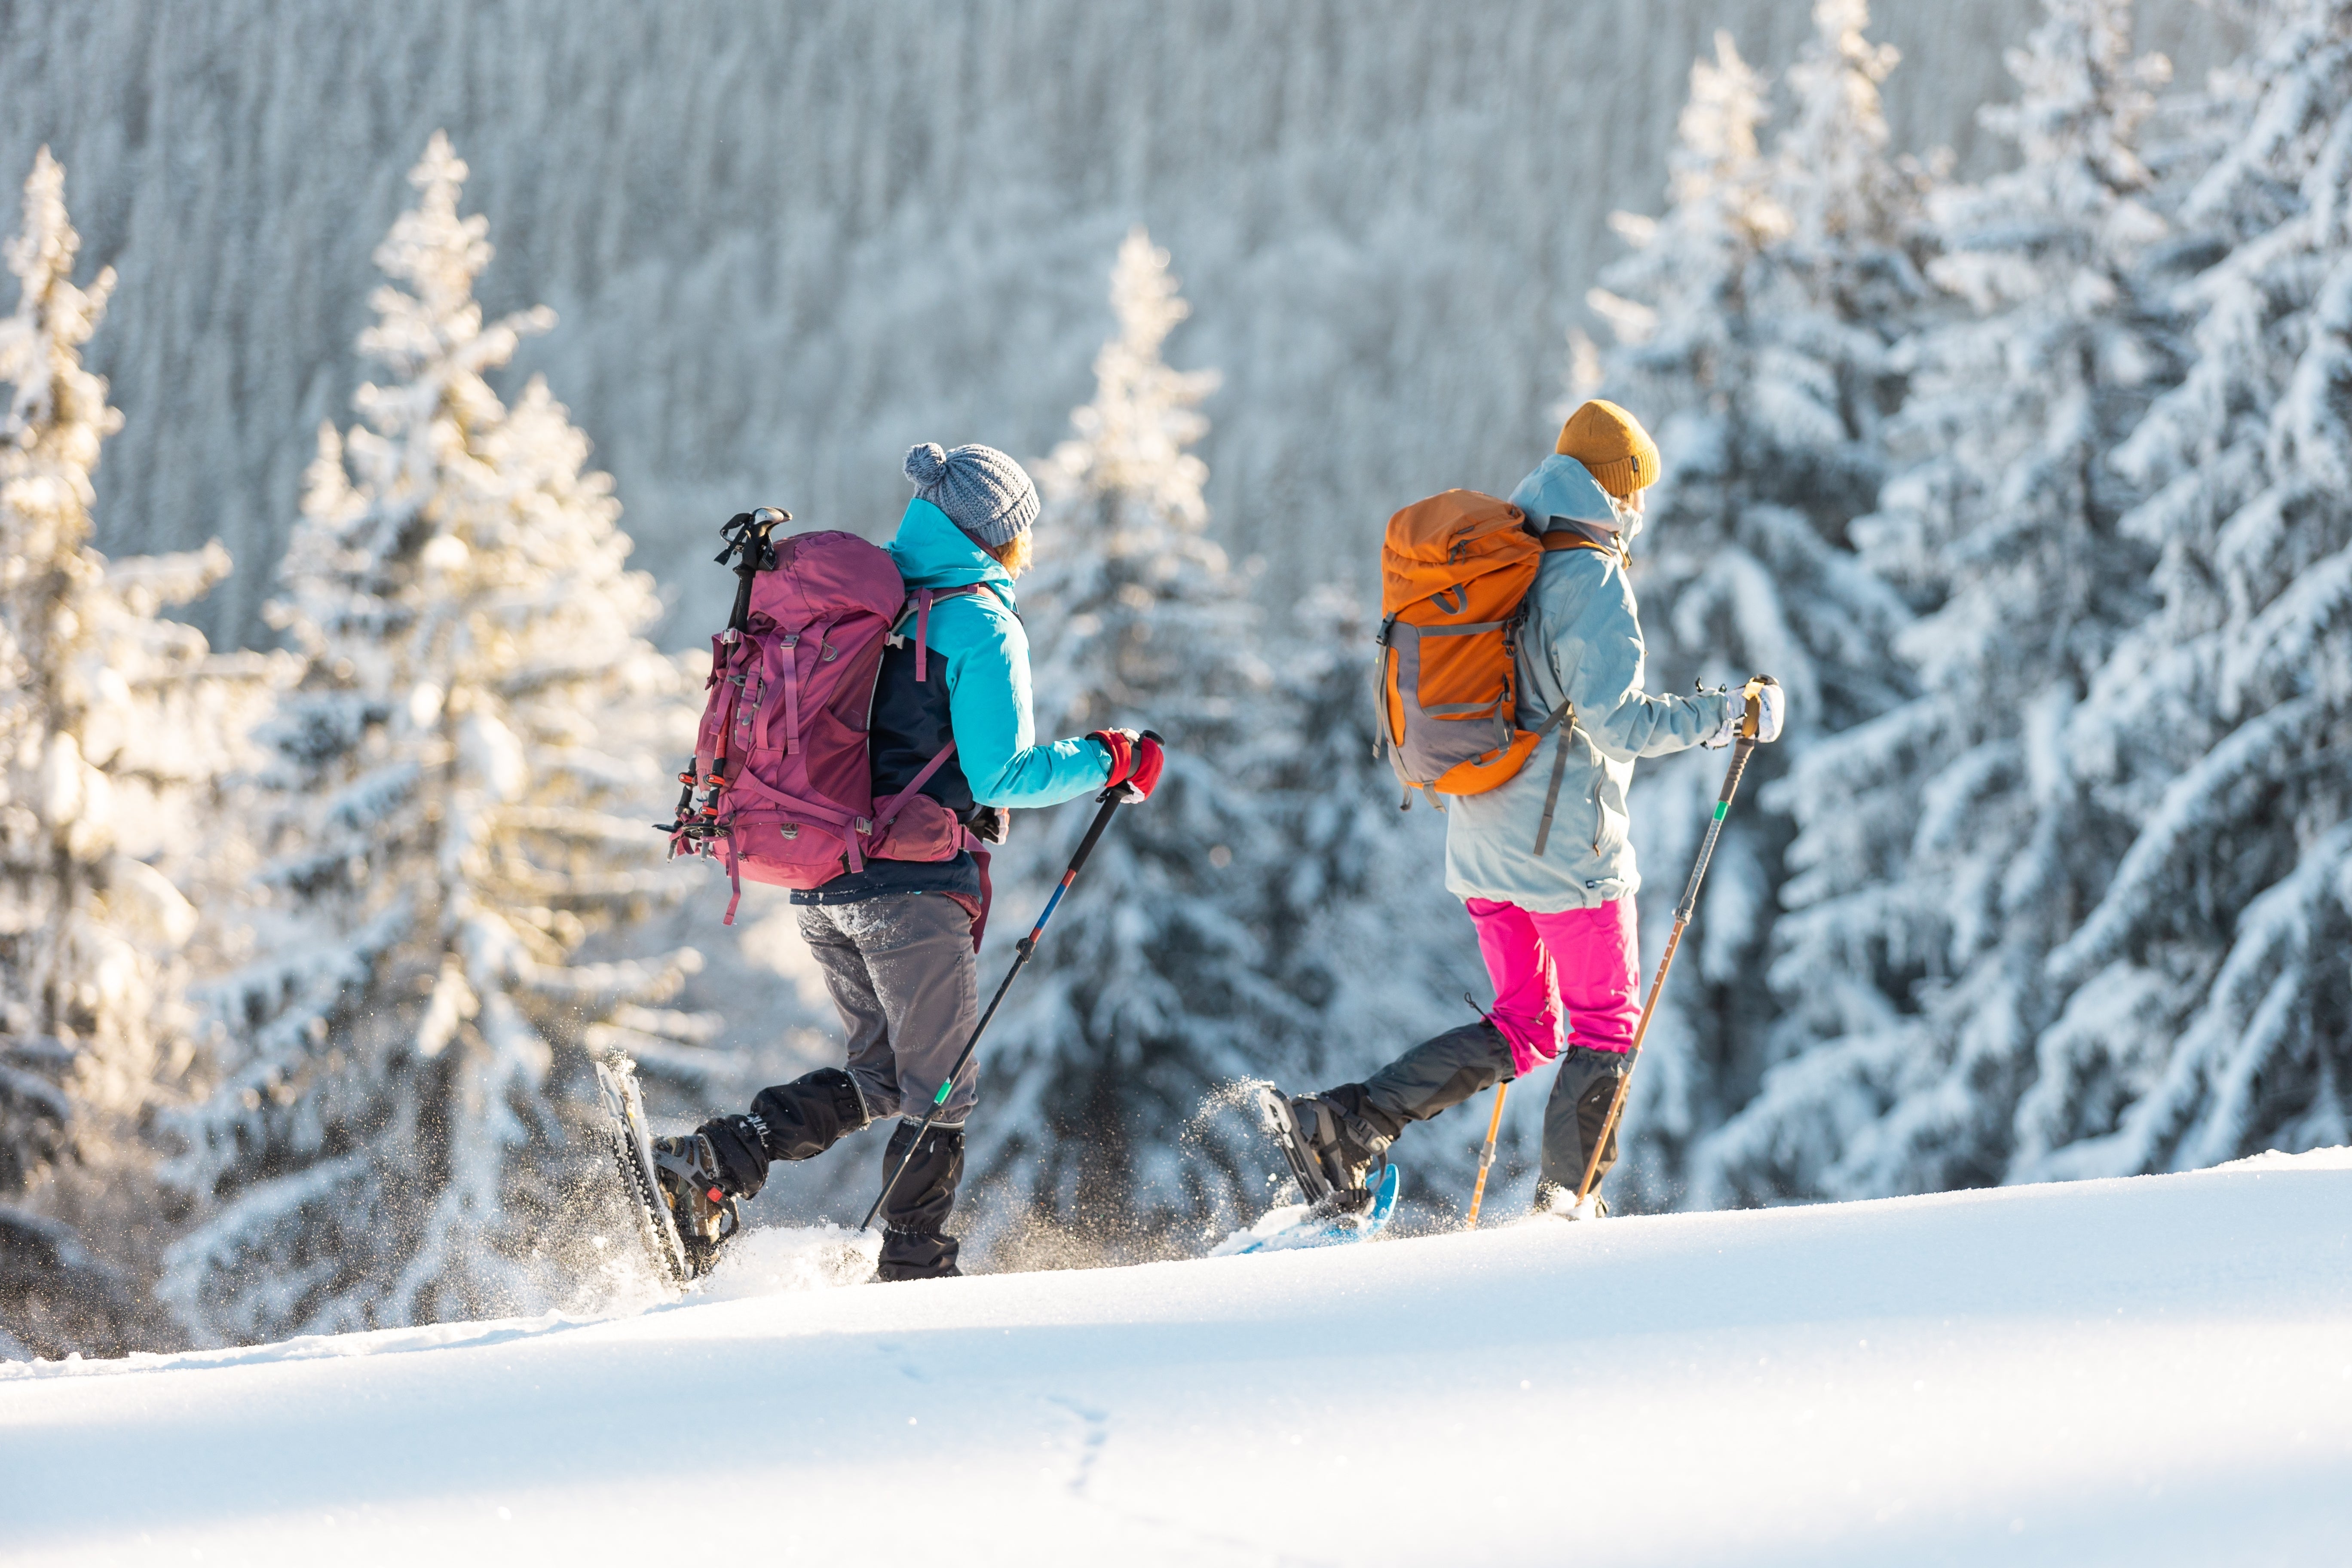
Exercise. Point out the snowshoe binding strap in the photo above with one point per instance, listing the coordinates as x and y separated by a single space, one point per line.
1327 1192
1282 1125
705 1213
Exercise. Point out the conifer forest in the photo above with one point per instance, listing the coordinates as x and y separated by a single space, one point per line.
374 386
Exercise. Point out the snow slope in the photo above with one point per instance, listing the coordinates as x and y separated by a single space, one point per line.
2148 1371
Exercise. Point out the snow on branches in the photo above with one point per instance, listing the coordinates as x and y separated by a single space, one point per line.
1945 850
114 727
2222 724
2081 908
1755 320
460 791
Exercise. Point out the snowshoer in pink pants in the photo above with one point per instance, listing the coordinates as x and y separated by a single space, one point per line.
1556 927
1562 977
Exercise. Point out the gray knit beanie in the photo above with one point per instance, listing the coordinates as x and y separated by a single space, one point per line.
982 492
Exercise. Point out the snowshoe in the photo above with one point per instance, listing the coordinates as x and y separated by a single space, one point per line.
687 1167
1334 1151
680 1253
1330 1213
1281 1124
1300 1226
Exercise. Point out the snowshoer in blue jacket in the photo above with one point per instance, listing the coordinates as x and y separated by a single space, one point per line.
1556 928
896 940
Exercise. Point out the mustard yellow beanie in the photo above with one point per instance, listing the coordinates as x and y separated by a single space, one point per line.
1613 444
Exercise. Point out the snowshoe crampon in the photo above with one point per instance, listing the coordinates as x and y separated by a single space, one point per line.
679 1220
1329 1214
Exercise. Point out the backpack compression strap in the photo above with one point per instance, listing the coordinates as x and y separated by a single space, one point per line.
938 760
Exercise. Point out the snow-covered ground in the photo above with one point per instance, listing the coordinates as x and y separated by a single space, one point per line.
2146 1372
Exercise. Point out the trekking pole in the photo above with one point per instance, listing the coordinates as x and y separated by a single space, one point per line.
1112 799
1487 1158
1682 912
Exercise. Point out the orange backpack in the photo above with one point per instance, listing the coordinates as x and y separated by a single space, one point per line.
1455 571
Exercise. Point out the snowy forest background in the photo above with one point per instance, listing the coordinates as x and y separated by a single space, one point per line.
342 680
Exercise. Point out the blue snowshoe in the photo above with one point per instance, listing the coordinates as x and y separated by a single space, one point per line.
1347 1182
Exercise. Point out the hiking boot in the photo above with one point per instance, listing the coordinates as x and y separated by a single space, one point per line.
1347 1139
696 1189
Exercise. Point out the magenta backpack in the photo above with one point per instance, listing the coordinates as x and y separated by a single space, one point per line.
782 787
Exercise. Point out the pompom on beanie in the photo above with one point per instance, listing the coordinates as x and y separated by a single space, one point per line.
982 492
1613 444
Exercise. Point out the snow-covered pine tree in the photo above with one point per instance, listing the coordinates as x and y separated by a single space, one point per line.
1754 321
461 787
112 724
1948 847
1152 989
2209 995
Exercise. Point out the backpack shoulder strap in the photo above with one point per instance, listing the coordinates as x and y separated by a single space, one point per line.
920 602
1577 539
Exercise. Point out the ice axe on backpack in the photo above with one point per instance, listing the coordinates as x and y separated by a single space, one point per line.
1112 797
1740 750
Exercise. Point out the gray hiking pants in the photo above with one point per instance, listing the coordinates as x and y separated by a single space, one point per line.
1447 1069
901 970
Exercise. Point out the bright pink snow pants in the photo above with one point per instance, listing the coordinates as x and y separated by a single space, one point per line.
1580 965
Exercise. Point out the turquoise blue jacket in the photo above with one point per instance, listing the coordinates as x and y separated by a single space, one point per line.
987 649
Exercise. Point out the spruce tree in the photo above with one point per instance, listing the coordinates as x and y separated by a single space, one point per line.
1948 847
2208 1002
113 727
1755 320
460 788
1152 990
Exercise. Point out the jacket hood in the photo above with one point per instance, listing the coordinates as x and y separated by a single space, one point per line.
1562 487
933 552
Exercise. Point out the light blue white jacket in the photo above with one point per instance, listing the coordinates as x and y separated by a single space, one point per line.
1582 642
987 651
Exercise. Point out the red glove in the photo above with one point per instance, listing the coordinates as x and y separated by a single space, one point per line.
1135 763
